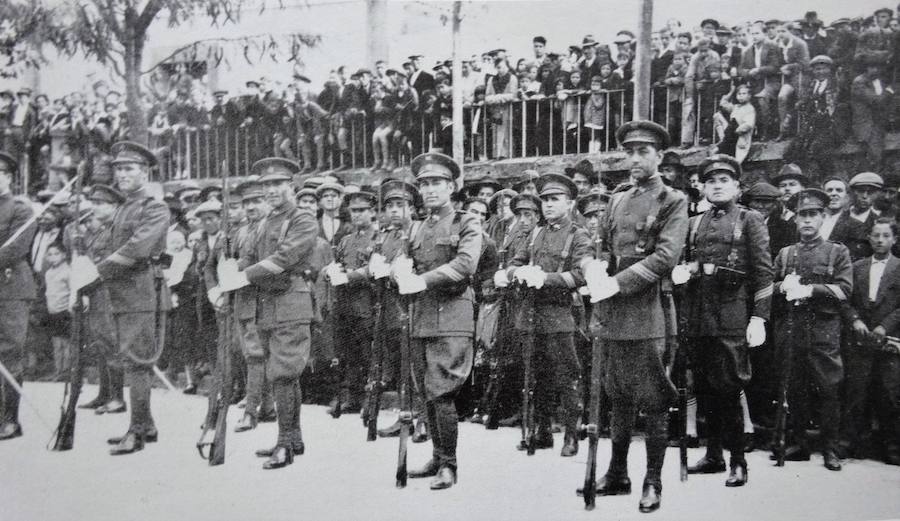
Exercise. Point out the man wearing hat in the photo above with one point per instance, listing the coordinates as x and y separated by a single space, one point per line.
822 118
842 50
419 79
592 207
672 170
138 296
814 280
332 227
484 189
276 266
18 290
502 217
644 230
761 67
871 103
23 119
550 263
794 65
590 64
445 250
525 184
854 223
728 271
354 299
875 44
209 214
105 201
583 175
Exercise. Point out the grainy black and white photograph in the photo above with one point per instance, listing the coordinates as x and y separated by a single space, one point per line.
397 260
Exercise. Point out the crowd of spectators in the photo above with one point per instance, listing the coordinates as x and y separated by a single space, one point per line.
716 85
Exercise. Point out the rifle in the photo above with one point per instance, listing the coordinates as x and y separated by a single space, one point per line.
375 385
220 398
498 352
679 377
528 420
594 416
335 363
64 436
406 417
783 385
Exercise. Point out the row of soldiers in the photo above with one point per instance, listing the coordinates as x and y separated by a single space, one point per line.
615 282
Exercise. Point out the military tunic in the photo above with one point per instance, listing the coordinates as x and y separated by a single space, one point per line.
811 330
17 286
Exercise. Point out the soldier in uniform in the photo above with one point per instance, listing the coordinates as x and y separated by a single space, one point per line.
18 289
550 262
259 406
728 299
138 295
105 202
644 230
277 267
814 280
445 251
354 299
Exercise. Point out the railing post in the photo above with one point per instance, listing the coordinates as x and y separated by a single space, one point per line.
578 127
524 119
606 126
552 102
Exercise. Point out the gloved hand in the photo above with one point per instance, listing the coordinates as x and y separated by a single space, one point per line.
798 293
595 270
756 332
536 278
411 283
681 274
604 289
501 279
401 265
379 267
83 273
230 277
175 300
335 274
214 295
791 281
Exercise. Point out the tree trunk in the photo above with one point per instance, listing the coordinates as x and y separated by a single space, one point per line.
137 120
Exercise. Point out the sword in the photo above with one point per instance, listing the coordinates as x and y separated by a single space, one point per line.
31 220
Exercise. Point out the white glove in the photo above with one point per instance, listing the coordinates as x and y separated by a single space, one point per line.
791 281
799 293
214 295
756 332
501 279
411 283
82 272
230 278
595 270
604 289
401 266
379 267
536 278
175 301
681 274
521 274
335 274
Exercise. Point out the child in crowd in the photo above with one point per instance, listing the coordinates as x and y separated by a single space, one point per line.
56 282
737 131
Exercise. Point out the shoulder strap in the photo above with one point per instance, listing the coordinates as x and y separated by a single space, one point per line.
567 249
286 224
534 234
832 256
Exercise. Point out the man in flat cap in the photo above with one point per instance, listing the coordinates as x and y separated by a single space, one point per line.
276 267
138 296
814 280
854 223
354 299
445 250
550 265
644 230
728 271
209 214
822 117
484 189
18 290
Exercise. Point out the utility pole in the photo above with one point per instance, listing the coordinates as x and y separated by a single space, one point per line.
458 135
376 31
642 90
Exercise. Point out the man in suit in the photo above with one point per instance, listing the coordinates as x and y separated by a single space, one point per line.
793 71
874 313
814 280
789 181
871 102
854 224
419 79
876 44
631 318
590 63
138 296
761 66
18 290
445 250
729 295
23 119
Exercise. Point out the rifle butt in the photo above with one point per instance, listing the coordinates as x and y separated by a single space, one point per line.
590 479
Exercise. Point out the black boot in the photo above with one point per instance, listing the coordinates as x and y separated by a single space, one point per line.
281 457
651 498
738 475
10 428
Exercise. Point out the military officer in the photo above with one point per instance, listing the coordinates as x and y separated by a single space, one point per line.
814 280
355 299
445 251
105 202
550 262
138 295
728 298
592 207
277 268
18 289
259 406
644 230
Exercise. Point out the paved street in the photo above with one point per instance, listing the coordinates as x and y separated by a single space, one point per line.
343 477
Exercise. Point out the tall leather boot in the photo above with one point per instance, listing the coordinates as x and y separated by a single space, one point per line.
656 441
282 454
9 422
103 393
139 392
